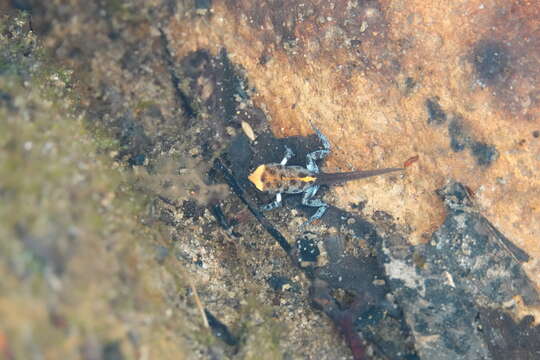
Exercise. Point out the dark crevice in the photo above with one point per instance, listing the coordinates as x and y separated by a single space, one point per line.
182 99
220 330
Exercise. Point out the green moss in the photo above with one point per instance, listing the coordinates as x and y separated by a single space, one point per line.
143 105
74 257
124 11
73 254
261 340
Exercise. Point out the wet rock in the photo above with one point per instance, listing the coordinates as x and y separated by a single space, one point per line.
467 266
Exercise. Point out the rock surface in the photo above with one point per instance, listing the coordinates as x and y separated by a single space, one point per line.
436 262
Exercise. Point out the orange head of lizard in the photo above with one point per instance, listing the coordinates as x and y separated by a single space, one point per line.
256 177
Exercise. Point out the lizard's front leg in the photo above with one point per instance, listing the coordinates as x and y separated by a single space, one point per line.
288 155
275 204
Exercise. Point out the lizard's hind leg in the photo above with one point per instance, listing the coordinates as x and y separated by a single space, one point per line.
319 154
308 201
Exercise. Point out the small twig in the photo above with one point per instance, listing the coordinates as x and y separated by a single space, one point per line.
168 201
199 304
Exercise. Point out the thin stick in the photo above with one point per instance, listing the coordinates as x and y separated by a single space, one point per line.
199 304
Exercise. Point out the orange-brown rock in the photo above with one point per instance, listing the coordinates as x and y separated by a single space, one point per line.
455 83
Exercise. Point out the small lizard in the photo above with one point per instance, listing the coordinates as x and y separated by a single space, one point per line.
279 178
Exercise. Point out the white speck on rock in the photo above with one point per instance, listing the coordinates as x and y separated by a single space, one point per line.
398 269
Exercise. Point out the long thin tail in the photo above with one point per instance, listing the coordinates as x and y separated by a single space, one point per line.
333 178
